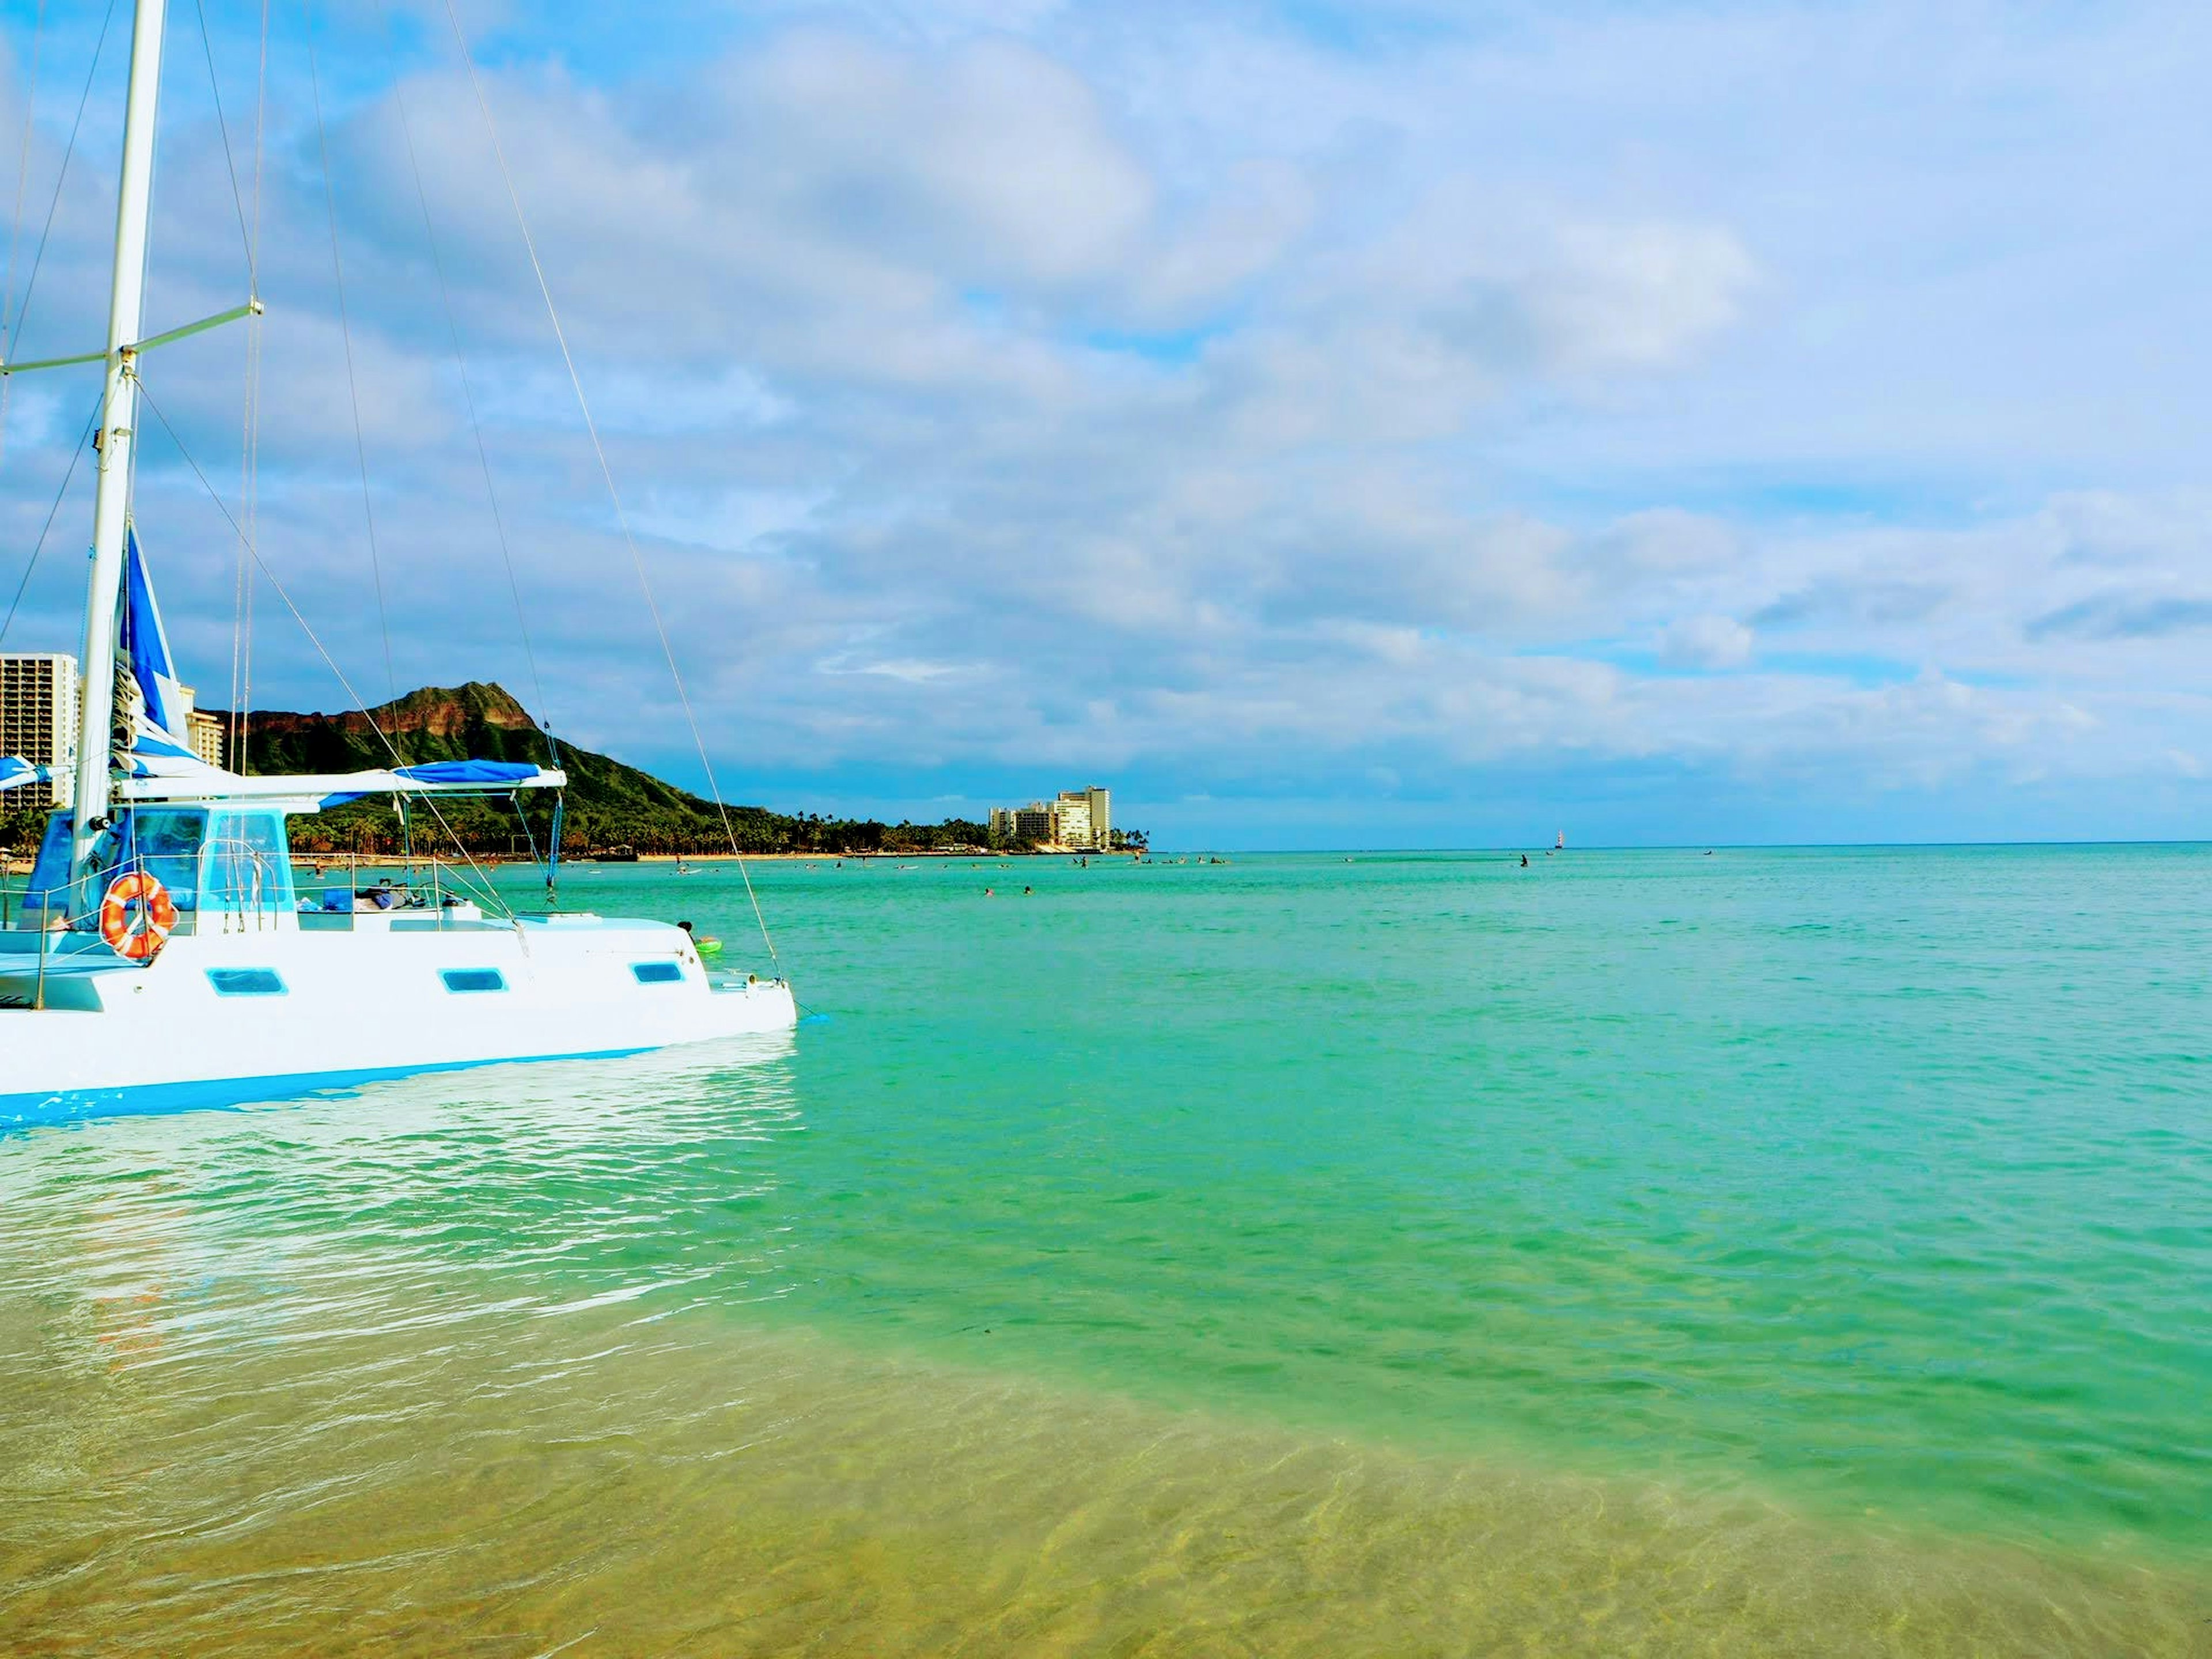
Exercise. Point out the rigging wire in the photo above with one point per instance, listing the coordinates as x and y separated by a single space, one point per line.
606 472
11 327
487 894
37 257
476 430
252 274
83 442
23 162
215 88
460 362
241 635
22 185
345 332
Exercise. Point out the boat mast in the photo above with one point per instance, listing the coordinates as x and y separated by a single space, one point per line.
118 424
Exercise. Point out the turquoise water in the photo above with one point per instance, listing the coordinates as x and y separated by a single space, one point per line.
1882 1176
1800 1243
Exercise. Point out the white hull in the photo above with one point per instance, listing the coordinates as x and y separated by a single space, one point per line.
260 1012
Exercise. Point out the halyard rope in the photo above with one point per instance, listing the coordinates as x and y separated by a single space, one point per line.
606 472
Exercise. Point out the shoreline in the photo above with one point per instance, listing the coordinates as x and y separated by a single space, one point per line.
334 863
983 856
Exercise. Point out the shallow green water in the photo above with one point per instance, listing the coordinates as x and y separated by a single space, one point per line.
1769 1243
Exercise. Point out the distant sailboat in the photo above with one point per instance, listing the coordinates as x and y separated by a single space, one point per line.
1560 845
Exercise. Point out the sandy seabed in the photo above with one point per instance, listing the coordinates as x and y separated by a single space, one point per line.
507 1482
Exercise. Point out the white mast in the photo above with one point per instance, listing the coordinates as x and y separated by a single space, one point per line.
118 424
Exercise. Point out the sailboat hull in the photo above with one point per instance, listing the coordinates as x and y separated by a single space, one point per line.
261 1014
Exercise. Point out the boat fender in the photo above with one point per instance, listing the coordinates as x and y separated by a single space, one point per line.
157 914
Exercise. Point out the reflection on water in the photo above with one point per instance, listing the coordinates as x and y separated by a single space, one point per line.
474 1362
354 1209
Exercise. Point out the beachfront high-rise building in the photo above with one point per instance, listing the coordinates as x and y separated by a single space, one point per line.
208 736
1087 818
1093 813
38 719
1078 819
207 730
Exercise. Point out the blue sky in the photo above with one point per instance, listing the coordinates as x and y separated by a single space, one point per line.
1369 425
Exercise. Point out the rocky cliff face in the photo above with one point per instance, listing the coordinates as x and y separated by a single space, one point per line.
435 712
475 721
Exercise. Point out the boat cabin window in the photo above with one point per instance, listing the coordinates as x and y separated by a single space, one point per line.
249 862
162 840
221 860
246 981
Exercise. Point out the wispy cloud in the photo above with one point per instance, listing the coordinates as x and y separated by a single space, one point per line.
2123 617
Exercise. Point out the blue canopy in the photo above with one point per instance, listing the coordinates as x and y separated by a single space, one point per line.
468 771
456 777
193 781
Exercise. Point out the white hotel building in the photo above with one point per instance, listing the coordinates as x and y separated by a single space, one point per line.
1081 820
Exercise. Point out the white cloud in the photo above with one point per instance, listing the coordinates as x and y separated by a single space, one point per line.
990 154
1704 642
1638 295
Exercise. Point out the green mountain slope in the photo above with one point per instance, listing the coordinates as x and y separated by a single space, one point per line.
609 803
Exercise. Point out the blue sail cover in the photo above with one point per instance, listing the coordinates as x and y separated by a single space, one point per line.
459 777
469 771
146 646
15 771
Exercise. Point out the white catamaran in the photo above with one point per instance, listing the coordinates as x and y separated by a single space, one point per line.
161 956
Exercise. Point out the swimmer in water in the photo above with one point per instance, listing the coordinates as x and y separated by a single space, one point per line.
1524 860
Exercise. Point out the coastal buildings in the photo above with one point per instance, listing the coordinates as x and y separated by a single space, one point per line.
210 737
1078 820
1073 813
39 715
207 738
38 719
1098 812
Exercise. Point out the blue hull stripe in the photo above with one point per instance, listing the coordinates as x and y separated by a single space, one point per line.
25 1111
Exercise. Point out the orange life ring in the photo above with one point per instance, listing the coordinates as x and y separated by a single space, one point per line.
157 914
